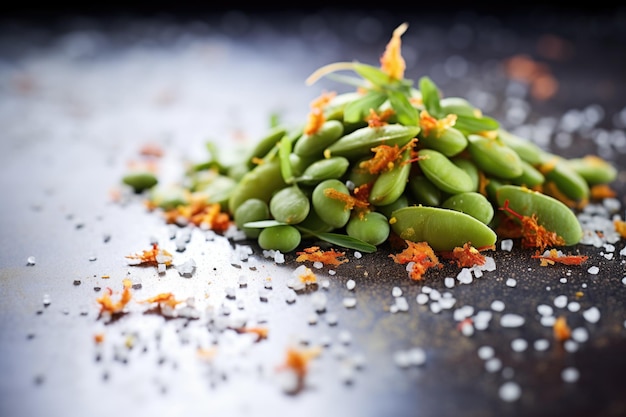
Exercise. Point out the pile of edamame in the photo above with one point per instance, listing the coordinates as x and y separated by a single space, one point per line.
389 158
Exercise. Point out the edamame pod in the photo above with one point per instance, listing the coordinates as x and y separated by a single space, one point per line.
169 196
531 177
314 144
424 191
443 173
470 169
527 150
140 181
402 201
290 205
261 182
552 214
251 210
360 142
458 105
494 157
443 229
372 227
324 169
450 142
283 238
472 203
556 170
266 144
391 184
593 169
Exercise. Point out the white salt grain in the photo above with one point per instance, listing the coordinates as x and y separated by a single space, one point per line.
449 282
570 346
580 335
510 391
545 310
358 255
507 245
570 374
422 298
493 365
497 305
541 345
416 356
593 270
486 352
402 304
319 301
519 345
512 320
547 321
511 282
331 319
560 301
350 284
396 291
349 302
573 306
592 315
290 296
435 307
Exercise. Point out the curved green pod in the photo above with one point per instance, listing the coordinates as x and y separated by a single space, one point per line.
251 210
372 227
266 144
261 182
360 142
324 169
140 181
593 169
531 176
391 184
450 142
290 205
402 201
527 150
494 157
552 214
457 105
283 238
332 210
443 229
424 191
472 203
315 143
556 170
470 169
444 174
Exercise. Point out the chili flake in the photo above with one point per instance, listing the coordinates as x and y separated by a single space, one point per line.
316 116
391 62
297 360
561 329
420 255
154 256
467 255
533 234
385 157
553 256
107 305
315 254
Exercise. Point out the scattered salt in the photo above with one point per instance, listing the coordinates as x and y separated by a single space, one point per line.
573 306
547 321
417 356
318 265
402 304
497 305
507 245
357 255
544 310
290 296
319 301
396 291
349 302
345 337
510 391
435 307
541 345
422 298
331 319
512 320
570 346
486 352
560 301
30 261
580 335
519 345
592 315
570 374
449 282
593 270
351 284
493 365
511 282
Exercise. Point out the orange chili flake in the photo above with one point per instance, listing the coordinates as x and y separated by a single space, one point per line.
350 201
108 305
260 332
200 212
385 157
297 360
391 62
315 254
430 124
467 255
152 256
422 256
561 329
533 234
601 191
316 116
375 119
307 277
98 338
620 227
166 298
555 256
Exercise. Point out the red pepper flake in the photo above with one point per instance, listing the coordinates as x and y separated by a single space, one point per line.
467 255
601 191
620 227
98 338
561 329
297 360
554 256
260 332
350 201
315 254
421 255
166 298
385 157
375 119
430 124
316 115
391 62
107 305
199 212
533 234
152 256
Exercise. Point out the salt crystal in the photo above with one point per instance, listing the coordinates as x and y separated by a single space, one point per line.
486 352
318 265
312 319
511 282
563 280
545 310
161 268
331 319
547 321
493 365
465 276
560 301
570 346
396 291
482 319
331 272
497 305
435 307
416 356
512 320
345 337
570 374
592 315
402 304
624 280
580 335
30 261
290 296
422 298
541 345
435 295
510 391
401 359
230 292
263 294
467 329
447 303
349 302
46 300
319 301
449 282
573 306
519 345
507 245
351 284
393 309
243 281
357 255
593 270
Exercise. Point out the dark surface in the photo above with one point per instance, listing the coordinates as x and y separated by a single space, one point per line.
80 95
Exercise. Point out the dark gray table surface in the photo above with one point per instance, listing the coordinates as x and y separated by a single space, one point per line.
80 96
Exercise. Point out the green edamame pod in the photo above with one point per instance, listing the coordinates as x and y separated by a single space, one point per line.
402 201
283 238
470 169
290 205
360 142
358 175
450 142
372 227
550 213
261 182
251 210
424 191
331 209
556 170
168 197
494 157
472 203
527 150
314 223
140 181
457 105
593 169
443 229
324 169
314 144
391 184
443 173
263 146
531 177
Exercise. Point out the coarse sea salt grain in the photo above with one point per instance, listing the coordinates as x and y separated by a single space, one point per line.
486 352
547 321
422 298
349 302
396 291
448 282
510 391
541 345
560 301
570 374
493 365
519 345
497 305
544 310
593 270
512 320
350 284
573 306
580 334
507 245
592 314
511 282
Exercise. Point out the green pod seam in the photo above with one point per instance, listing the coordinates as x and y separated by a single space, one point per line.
440 170
593 169
391 184
470 169
494 157
315 143
261 182
324 169
443 229
266 144
527 150
360 142
552 214
556 170
450 142
472 203
531 177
